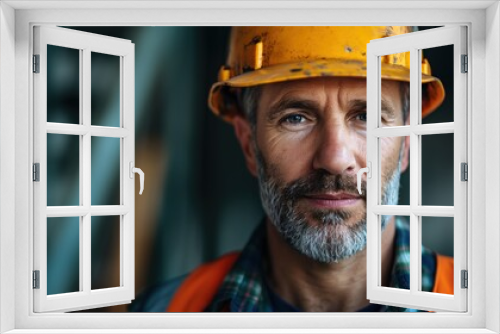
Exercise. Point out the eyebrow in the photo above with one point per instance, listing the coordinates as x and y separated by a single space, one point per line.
290 103
297 103
386 107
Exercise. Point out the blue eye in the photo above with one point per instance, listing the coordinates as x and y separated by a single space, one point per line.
361 117
293 119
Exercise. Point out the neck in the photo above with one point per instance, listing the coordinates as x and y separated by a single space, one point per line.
323 287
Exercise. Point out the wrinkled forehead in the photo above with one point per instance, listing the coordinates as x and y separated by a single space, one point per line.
343 90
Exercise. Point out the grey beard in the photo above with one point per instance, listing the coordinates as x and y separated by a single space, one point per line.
331 241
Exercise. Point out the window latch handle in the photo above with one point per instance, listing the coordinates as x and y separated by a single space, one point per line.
368 171
141 175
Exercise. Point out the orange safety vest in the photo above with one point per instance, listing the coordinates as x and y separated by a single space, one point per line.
200 287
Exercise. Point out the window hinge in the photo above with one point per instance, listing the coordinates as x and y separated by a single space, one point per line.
36 63
36 172
36 279
464 172
465 64
465 279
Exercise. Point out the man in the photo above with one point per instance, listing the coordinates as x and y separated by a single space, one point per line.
296 97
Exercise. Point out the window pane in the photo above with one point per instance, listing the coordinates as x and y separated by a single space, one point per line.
63 170
395 185
395 263
440 61
105 171
63 255
63 85
395 91
105 90
437 169
437 236
105 252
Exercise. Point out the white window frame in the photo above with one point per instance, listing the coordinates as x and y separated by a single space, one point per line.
414 43
16 21
85 43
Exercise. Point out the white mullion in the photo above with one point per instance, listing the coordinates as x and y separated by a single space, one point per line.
86 246
86 165
434 128
415 110
414 252
81 130
122 234
433 211
106 131
81 225
377 174
66 211
373 267
95 210
40 156
109 210
397 210
419 274
459 156
421 129
392 131
81 252
122 176
127 184
420 210
419 169
67 129
378 178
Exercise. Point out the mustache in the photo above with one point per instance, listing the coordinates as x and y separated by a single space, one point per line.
322 181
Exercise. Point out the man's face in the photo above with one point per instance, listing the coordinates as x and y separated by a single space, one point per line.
310 141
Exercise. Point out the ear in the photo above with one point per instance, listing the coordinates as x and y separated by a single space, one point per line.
243 132
405 159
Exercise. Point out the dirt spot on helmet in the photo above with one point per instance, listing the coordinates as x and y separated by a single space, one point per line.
255 40
347 49
307 73
247 69
389 31
295 70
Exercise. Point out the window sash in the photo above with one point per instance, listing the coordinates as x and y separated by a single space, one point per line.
86 297
414 298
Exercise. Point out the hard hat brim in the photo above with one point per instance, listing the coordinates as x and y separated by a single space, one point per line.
218 103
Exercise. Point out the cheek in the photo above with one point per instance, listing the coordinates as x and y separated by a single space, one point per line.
389 154
360 148
289 153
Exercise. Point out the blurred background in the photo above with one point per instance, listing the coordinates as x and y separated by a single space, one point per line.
199 200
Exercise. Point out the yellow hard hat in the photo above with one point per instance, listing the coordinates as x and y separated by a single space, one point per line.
262 55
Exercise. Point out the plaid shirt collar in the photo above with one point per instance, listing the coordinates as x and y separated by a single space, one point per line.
244 290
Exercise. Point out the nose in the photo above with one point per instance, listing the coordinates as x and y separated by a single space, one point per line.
334 150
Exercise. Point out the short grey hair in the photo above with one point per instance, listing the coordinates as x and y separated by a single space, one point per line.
249 102
404 89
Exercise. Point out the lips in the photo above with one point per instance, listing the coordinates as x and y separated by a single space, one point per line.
333 200
333 197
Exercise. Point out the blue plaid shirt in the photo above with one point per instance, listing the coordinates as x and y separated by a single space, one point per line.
244 288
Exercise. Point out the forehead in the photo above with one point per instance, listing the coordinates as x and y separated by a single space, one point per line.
324 87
